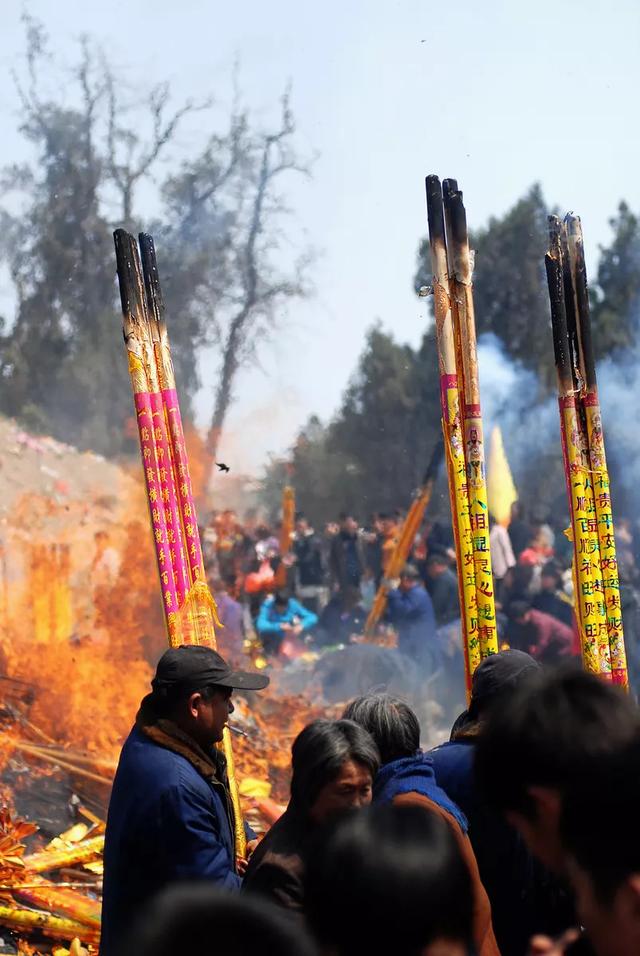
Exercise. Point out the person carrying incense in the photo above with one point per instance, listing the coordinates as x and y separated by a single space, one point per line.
170 816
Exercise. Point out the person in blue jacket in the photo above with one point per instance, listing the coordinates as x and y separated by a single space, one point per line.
170 816
282 616
410 611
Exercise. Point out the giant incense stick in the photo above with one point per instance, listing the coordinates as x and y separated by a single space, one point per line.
452 429
189 608
463 317
590 611
407 536
286 534
597 455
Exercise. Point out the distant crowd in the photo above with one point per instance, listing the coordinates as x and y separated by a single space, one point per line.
320 591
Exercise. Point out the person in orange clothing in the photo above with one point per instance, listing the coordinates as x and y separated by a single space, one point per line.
390 533
407 777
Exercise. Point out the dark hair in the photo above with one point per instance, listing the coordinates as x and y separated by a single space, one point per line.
319 752
410 571
200 918
300 516
600 826
518 609
437 557
281 597
388 879
551 570
552 733
390 721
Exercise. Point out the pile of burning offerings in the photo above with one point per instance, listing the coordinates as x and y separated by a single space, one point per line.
82 629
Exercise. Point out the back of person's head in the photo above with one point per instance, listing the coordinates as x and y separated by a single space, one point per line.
551 734
389 879
390 721
600 830
410 572
496 677
199 918
319 753
517 610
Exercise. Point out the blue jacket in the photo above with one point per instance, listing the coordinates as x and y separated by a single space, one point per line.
168 821
411 613
414 775
270 620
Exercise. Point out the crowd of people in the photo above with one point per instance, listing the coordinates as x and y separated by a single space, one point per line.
517 836
320 588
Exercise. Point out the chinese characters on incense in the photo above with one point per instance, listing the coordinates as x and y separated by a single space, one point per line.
595 567
461 418
189 608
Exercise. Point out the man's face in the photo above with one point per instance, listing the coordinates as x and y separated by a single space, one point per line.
302 525
388 525
613 927
548 582
541 832
350 525
210 716
350 790
407 583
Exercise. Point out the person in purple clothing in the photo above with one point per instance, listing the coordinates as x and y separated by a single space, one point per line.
231 635
410 611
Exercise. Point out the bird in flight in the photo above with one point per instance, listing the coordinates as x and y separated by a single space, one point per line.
222 467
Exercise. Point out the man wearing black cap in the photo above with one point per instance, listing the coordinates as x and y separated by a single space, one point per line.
170 816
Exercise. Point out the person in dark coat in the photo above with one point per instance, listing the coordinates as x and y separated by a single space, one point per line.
343 617
519 529
333 765
407 778
410 611
170 815
442 585
347 559
552 598
310 575
525 898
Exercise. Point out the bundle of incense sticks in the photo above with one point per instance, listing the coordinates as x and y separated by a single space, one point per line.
408 532
189 608
595 568
461 417
286 533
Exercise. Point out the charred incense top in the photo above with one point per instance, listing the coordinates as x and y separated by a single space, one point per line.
437 457
441 297
571 307
134 311
555 281
585 338
155 304
458 239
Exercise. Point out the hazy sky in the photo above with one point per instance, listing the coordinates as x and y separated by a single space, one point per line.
495 94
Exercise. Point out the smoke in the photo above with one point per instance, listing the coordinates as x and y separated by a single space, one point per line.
531 430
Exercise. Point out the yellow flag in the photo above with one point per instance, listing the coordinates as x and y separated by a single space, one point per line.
500 487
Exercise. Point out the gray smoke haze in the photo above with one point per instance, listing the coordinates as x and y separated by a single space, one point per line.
531 429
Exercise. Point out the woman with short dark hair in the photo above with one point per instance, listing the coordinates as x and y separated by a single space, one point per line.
333 764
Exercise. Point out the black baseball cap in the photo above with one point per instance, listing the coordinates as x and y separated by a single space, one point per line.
497 674
193 666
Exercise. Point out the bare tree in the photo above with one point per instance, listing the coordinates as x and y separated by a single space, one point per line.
225 245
